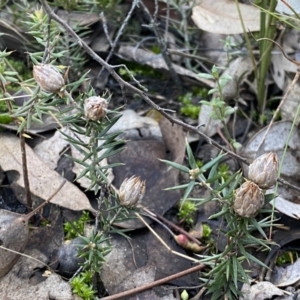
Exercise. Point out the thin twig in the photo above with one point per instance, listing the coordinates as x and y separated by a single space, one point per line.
290 88
163 48
140 43
150 285
23 149
119 34
288 184
76 273
170 224
183 10
163 242
167 19
27 256
181 52
28 216
105 28
25 170
159 222
156 10
199 294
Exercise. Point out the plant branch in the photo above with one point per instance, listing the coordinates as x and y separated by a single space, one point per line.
119 34
23 150
32 213
25 170
27 256
163 48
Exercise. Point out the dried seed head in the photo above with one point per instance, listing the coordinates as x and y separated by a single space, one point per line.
264 170
95 108
248 199
48 78
132 191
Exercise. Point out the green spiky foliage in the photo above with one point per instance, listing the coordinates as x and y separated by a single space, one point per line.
225 268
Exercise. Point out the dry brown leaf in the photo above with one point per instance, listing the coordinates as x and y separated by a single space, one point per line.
50 150
260 291
286 275
222 17
43 181
283 8
78 18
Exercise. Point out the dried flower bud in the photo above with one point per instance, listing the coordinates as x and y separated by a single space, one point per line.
132 191
185 243
248 199
264 170
95 108
48 78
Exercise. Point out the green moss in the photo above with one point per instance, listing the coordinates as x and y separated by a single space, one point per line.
141 70
287 257
187 211
206 230
21 68
186 98
82 285
76 228
191 111
13 71
200 92
4 118
155 49
13 64
188 108
107 4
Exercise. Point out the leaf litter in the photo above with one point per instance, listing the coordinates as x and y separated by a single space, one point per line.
202 17
43 181
14 234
